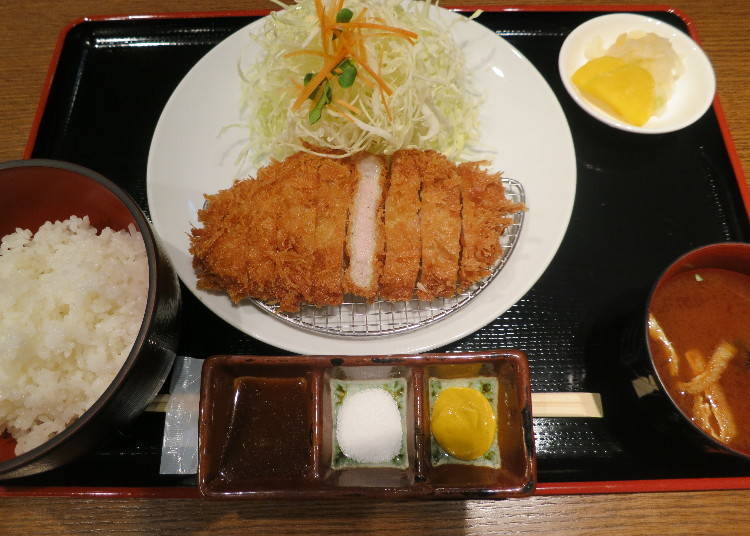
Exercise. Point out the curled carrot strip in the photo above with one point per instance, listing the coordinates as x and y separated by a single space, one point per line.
323 26
385 105
305 52
342 40
348 106
375 76
328 66
343 113
373 26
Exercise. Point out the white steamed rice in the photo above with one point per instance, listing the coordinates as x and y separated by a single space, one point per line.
71 304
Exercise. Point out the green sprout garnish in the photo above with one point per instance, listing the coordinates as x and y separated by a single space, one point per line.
344 15
348 73
345 71
325 98
308 77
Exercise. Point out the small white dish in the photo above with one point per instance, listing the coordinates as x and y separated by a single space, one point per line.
693 91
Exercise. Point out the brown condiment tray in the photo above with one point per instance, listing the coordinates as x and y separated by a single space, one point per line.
267 428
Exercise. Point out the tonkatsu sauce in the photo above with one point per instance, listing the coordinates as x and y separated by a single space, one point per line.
270 430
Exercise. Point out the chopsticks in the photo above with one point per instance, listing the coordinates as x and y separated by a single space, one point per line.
567 405
583 405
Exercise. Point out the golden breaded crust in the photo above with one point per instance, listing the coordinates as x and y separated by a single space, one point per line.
221 256
440 226
403 242
297 194
332 212
282 237
258 238
486 213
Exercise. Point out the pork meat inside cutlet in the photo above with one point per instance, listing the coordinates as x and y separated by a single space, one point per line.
403 243
365 241
332 211
296 205
440 225
486 214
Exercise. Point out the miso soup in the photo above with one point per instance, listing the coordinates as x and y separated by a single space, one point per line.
699 336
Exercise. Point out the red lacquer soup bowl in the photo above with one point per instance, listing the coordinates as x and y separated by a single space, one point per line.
689 355
35 191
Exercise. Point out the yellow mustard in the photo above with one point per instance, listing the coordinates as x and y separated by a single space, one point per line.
463 422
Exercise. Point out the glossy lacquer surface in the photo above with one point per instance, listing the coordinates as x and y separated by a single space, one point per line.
268 427
35 191
641 201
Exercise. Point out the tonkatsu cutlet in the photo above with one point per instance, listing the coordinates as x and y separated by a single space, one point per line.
232 220
216 258
403 244
263 224
365 240
259 238
296 198
312 228
332 212
486 213
440 225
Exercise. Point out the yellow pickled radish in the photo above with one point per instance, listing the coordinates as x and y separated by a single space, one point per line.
624 89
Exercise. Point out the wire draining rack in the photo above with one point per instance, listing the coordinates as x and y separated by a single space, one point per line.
357 318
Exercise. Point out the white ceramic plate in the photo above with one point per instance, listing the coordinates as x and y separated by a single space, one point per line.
521 118
693 91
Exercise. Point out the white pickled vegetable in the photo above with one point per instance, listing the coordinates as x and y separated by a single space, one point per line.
656 55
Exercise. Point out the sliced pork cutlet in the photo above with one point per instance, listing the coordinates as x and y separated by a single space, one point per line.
262 254
486 213
440 224
221 258
234 250
336 179
295 200
365 237
403 244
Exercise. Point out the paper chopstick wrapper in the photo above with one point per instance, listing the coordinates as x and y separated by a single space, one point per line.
179 452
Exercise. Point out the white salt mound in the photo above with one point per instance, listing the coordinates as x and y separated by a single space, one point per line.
71 304
368 427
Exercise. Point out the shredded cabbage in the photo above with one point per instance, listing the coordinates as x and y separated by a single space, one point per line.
433 105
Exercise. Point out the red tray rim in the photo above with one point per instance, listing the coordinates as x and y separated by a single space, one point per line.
718 109
594 487
542 488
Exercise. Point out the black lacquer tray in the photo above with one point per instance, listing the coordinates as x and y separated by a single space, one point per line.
641 201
